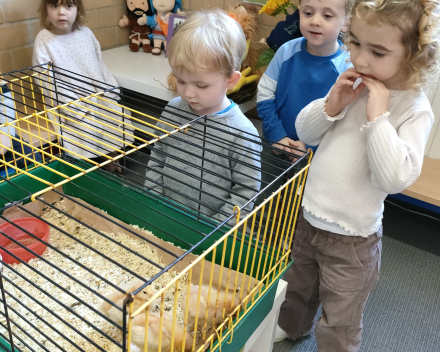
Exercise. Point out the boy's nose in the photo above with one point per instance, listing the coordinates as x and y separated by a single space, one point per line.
189 93
315 20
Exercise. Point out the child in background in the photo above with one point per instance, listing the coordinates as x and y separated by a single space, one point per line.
205 55
302 70
71 46
7 115
372 141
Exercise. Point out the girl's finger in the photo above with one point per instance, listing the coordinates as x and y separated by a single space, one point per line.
369 83
293 144
346 82
351 73
378 84
352 69
359 89
373 83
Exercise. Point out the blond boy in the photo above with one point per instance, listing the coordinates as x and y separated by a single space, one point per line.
215 165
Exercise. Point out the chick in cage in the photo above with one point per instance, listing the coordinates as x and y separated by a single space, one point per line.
181 340
213 306
118 298
215 165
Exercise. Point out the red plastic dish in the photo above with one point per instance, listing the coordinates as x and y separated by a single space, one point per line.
34 226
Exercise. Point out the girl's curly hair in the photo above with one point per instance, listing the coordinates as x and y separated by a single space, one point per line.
418 21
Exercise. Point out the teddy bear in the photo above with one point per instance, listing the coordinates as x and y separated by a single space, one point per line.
138 13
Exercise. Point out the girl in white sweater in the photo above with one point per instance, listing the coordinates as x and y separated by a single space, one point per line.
71 46
371 143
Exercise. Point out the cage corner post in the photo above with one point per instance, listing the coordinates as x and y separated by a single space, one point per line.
5 309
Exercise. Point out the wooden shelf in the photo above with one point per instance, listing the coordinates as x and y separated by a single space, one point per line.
427 186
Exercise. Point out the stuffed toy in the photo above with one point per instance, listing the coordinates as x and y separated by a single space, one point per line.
139 12
162 9
247 17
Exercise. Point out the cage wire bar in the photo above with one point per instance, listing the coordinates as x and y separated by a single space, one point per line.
219 268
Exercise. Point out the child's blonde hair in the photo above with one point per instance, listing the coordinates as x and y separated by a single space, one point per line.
208 40
80 17
418 23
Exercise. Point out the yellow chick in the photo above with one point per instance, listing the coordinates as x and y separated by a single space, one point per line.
213 313
118 298
138 334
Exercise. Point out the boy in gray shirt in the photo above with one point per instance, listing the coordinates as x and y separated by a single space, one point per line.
215 165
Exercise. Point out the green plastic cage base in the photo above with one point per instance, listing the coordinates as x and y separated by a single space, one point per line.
5 346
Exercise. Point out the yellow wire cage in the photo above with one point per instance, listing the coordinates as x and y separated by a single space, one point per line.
215 290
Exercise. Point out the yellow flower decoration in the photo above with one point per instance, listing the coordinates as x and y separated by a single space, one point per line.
275 7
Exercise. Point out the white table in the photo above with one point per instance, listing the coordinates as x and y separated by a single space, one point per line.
262 338
145 73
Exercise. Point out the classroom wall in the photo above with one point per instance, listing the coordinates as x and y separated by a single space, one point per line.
20 24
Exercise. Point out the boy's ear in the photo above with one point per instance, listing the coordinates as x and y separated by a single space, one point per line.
233 80
345 24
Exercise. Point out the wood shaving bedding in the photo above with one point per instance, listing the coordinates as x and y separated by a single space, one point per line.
93 261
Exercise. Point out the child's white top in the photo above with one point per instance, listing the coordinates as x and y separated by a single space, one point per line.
79 52
7 112
358 163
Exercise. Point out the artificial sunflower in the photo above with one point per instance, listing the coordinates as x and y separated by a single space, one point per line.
275 7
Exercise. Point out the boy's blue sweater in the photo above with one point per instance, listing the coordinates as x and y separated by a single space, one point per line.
293 79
